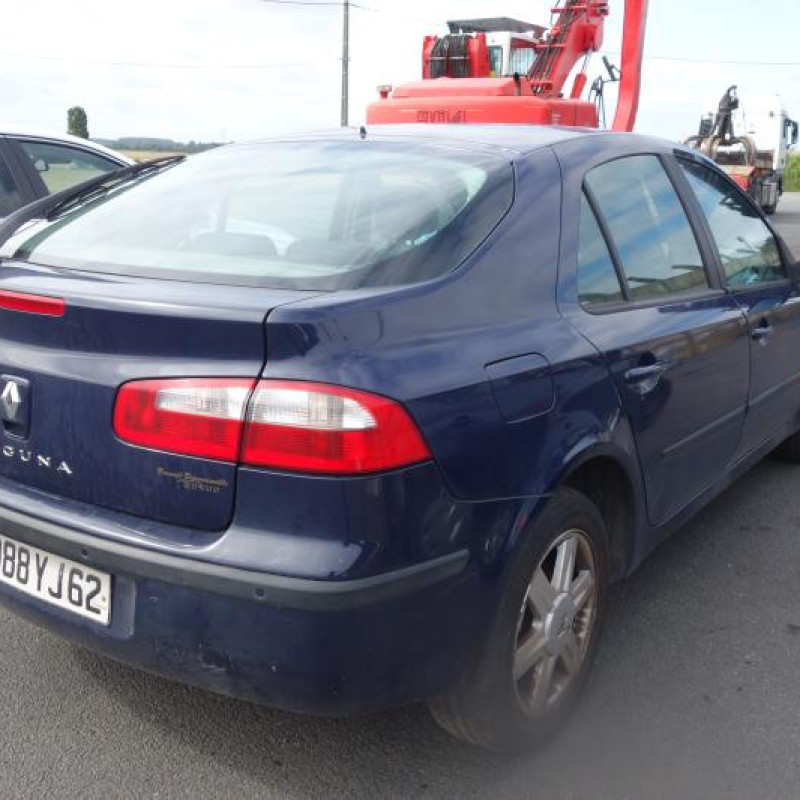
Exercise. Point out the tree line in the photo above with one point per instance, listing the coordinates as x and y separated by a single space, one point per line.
78 125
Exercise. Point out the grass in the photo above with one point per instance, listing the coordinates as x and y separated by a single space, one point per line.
62 176
791 179
148 155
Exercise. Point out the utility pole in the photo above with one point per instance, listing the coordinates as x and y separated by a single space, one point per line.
345 63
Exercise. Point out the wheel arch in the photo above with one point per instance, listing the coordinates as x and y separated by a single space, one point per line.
604 476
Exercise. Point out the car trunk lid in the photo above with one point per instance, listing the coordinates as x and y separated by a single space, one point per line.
61 372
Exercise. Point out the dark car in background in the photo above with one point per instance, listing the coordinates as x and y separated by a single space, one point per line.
35 164
346 421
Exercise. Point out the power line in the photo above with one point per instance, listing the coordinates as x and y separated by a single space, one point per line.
306 64
304 2
360 6
724 62
158 65
337 3
373 9
400 14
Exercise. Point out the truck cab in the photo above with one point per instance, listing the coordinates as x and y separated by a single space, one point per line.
766 121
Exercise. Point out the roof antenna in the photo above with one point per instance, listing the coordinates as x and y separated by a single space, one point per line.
362 132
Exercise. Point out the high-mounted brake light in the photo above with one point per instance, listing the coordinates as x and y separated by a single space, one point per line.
292 425
32 303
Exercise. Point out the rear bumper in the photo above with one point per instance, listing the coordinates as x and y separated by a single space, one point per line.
234 582
326 647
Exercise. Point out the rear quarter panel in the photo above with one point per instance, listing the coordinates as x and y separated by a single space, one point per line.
447 347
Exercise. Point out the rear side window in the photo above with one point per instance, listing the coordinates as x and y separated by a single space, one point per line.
746 246
317 214
657 248
597 278
60 166
9 193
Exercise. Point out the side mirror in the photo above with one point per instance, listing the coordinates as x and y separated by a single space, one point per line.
788 258
41 165
794 272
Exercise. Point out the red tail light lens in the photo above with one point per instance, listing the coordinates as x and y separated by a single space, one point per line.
291 425
32 303
192 416
312 427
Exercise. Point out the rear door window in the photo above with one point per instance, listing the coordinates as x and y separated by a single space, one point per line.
598 282
61 166
10 199
747 248
657 247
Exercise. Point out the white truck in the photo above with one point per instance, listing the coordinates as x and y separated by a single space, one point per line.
751 142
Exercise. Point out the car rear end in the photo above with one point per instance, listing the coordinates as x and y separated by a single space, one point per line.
168 496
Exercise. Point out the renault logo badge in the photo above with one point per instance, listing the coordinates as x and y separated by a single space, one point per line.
15 405
11 400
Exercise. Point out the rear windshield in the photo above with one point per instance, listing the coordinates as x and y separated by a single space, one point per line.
317 215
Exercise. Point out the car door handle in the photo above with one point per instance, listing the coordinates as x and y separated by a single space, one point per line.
762 332
643 374
642 380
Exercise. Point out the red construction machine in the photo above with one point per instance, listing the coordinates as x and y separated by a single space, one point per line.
468 76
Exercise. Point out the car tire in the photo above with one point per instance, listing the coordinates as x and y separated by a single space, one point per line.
769 210
788 450
501 705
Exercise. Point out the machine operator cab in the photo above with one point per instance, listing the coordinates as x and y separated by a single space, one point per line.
489 47
511 42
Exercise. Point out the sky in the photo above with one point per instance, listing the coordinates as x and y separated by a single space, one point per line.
238 69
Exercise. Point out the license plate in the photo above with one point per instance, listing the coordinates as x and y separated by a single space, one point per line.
56 580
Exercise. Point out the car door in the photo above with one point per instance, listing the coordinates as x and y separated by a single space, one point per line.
676 343
755 274
53 166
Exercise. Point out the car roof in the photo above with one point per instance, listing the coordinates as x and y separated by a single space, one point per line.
512 138
18 131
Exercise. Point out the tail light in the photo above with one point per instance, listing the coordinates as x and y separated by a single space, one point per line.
313 427
196 417
32 303
291 425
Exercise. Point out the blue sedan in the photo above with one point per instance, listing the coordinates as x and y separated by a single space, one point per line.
344 421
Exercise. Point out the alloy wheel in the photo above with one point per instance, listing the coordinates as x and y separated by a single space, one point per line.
555 623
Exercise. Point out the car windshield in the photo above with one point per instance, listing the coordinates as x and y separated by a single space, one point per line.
320 214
